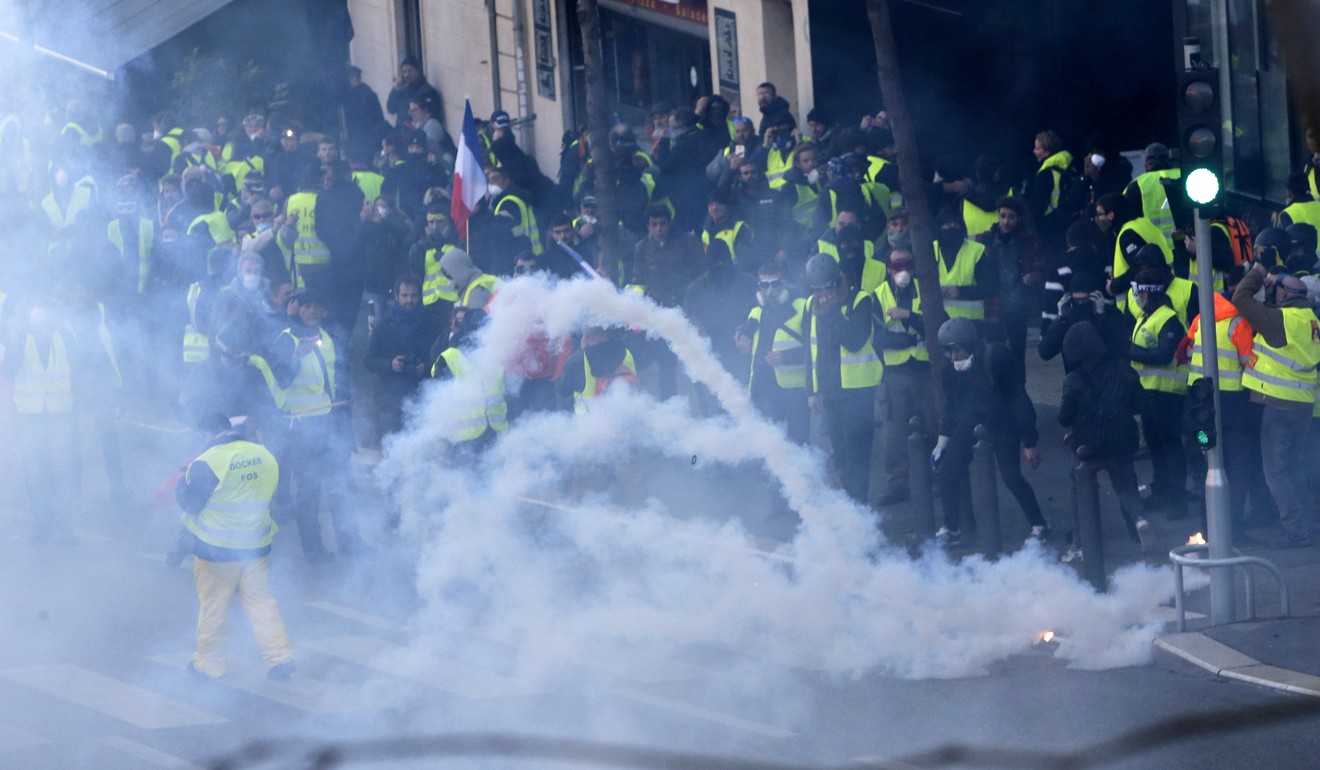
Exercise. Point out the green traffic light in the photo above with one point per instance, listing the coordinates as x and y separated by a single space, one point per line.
1202 438
1202 186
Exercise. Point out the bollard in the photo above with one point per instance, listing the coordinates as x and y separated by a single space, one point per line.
923 507
985 495
1088 520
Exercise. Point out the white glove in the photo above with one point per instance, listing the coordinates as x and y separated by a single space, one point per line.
936 455
1063 302
1098 301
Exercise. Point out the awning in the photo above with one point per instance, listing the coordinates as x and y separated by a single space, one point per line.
105 35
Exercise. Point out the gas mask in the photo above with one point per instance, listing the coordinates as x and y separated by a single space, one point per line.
767 298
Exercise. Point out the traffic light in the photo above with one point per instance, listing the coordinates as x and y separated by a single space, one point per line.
1201 413
1201 151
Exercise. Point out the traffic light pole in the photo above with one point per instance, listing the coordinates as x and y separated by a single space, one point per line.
1219 536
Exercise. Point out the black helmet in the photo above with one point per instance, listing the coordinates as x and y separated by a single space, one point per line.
1303 236
958 331
1276 238
822 272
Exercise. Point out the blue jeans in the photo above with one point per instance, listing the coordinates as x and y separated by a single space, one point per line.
1283 446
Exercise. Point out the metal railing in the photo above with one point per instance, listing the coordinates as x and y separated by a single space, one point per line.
1182 557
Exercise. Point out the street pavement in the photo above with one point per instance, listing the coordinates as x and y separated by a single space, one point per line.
95 637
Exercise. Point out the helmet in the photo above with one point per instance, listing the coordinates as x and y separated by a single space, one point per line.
822 271
1274 237
958 331
1302 235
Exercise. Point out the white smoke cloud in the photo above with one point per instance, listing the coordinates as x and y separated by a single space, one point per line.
517 550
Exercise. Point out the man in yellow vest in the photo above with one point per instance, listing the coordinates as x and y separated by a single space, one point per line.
225 495
37 361
773 337
966 278
1127 233
478 411
71 193
311 256
722 223
133 236
1045 193
602 363
310 375
1148 193
1154 352
856 255
1281 375
844 370
514 203
471 286
1302 208
900 335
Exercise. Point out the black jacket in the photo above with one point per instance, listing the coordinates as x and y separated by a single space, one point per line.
1101 395
992 393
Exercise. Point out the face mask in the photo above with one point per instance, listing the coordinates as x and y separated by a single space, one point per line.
252 281
263 226
495 190
902 279
774 298
813 176
894 238
384 212
949 239
963 365
782 143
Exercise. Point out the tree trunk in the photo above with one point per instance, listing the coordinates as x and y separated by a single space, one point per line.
920 225
602 160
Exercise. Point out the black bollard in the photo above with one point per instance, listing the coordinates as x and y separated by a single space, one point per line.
985 495
1088 521
923 507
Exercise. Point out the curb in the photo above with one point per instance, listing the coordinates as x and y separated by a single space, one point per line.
1224 661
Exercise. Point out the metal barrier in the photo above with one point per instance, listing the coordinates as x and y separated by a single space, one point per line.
1086 519
1181 557
923 507
985 495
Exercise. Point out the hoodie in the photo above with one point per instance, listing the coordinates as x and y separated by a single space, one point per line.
457 264
1101 395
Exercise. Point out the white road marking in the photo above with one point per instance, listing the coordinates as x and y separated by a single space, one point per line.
698 712
299 691
14 738
422 667
364 618
111 697
153 757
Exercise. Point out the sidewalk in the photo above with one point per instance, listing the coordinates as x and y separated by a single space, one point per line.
1282 653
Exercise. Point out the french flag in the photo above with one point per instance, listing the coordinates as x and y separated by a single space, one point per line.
469 179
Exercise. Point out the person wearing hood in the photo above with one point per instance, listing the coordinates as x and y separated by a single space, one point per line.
717 302
409 85
478 411
855 255
1084 301
1101 397
1153 353
406 182
398 351
1240 416
339 208
773 337
967 278
472 287
983 386
1182 291
774 109
1281 376
900 336
1079 256
1148 193
980 204
1302 259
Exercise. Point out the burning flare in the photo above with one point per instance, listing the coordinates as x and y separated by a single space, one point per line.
1196 539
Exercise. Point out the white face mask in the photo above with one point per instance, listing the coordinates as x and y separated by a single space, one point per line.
383 211
902 279
495 190
263 227
813 176
251 281
963 365
777 298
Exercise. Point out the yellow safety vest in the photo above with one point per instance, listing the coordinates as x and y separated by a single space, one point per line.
171 140
84 192
876 164
239 169
217 225
369 182
267 376
485 280
1154 200
313 387
777 162
1288 372
963 273
873 270
84 138
307 248
474 411
804 209
885 296
1180 293
1149 233
1230 365
435 285
857 368
237 515
196 347
593 386
1166 378
977 219
788 336
44 387
526 219
729 235
1305 212
146 238
1056 164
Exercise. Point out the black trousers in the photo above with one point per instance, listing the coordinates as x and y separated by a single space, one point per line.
1161 427
1242 460
955 468
850 420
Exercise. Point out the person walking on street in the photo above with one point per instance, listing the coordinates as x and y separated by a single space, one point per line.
772 336
900 337
225 495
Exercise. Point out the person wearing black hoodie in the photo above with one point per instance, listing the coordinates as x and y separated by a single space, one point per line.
398 353
1101 398
1085 302
339 214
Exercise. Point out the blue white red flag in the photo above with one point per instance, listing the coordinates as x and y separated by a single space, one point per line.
469 178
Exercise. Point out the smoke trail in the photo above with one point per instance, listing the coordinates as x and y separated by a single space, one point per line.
572 578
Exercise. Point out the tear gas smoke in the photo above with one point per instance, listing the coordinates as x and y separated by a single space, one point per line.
595 576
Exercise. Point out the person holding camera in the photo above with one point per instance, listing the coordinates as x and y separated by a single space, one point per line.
398 351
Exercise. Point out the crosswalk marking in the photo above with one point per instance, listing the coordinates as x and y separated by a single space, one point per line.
299 691
364 618
111 697
422 667
709 715
153 757
14 738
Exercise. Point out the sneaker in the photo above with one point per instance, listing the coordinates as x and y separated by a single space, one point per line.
1145 533
281 671
1071 555
1039 532
946 536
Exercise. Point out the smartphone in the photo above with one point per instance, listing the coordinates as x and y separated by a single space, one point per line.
740 151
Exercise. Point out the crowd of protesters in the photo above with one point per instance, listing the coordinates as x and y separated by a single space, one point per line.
232 270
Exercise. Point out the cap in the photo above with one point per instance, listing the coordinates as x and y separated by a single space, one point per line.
1157 151
588 200
499 119
307 297
418 138
719 196
899 213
